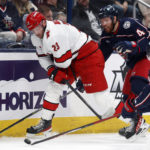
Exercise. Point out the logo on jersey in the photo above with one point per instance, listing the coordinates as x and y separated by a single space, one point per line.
118 81
140 33
47 34
88 84
127 25
8 22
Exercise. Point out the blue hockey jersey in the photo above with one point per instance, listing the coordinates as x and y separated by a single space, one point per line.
9 18
129 29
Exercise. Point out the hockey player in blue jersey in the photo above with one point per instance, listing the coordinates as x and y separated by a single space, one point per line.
130 39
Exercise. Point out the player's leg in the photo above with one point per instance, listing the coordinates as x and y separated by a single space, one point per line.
127 86
50 105
95 82
105 103
133 108
127 94
138 80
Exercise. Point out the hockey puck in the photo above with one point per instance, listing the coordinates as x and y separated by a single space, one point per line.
27 141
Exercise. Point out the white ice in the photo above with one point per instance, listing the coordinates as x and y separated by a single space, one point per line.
79 142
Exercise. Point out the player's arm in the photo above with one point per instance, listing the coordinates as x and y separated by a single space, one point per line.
44 60
135 47
142 34
54 73
18 25
64 61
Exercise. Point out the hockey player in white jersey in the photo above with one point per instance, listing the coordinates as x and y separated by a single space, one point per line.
72 51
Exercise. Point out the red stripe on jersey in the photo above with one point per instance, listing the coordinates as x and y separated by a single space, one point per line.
3 9
56 22
41 55
64 57
49 105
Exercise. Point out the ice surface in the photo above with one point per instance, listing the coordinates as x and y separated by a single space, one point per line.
79 142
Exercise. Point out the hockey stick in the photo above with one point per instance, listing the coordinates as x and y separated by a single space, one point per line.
20 120
82 99
28 141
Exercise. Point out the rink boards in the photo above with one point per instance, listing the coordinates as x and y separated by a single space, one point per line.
23 81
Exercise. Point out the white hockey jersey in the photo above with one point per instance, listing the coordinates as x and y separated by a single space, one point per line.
62 41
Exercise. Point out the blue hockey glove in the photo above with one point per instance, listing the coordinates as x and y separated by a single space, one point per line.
126 47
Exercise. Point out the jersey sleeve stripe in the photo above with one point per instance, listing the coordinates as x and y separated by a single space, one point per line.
41 55
64 57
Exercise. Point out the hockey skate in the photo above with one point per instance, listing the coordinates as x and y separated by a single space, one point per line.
138 127
122 131
44 126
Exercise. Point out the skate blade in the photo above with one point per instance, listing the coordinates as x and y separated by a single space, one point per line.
47 133
133 138
143 133
32 136
136 137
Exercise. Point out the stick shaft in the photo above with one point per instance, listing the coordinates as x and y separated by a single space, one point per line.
75 129
20 120
83 100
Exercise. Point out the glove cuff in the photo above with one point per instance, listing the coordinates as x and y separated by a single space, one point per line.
52 71
50 67
134 44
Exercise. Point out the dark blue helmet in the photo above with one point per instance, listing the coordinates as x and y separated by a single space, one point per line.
108 11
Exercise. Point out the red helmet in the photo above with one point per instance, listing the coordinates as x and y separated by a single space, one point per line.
34 19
